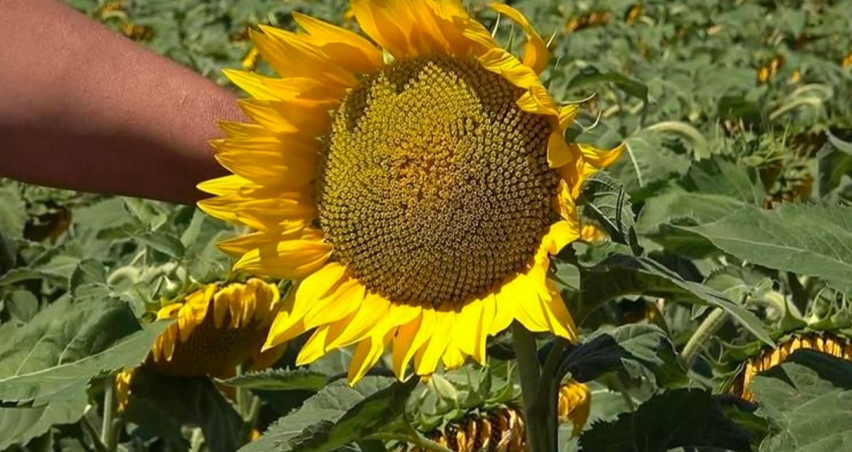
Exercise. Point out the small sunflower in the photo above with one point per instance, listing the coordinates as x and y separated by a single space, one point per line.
216 330
830 344
504 429
414 186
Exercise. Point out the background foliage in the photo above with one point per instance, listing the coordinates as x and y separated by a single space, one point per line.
729 230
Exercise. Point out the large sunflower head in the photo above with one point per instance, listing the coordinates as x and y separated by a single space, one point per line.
217 329
414 184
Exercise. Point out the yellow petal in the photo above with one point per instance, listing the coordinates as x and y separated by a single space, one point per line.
289 259
300 90
601 158
223 186
382 21
313 288
502 62
269 167
559 235
452 357
436 346
468 331
404 352
283 118
343 46
336 305
277 333
290 56
537 100
274 214
367 354
505 307
489 307
360 324
464 35
529 310
402 345
242 130
558 151
535 49
557 316
314 348
567 115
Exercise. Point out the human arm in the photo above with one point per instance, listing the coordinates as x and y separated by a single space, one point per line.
86 109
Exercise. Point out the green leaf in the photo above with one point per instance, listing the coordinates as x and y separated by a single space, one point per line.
834 165
608 204
160 403
68 344
22 305
13 213
13 219
628 348
673 207
810 398
165 243
337 415
21 424
590 75
647 164
620 275
685 418
88 277
723 176
806 240
280 380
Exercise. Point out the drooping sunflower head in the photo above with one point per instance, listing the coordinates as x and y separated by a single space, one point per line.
216 330
421 212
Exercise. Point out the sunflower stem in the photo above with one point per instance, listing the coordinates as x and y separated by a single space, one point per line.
707 328
538 437
107 430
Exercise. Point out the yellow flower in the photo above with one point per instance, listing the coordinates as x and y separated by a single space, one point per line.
414 188
575 405
217 330
122 384
769 358
504 429
592 233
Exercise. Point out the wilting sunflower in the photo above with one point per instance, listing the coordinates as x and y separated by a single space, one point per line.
830 344
414 185
216 329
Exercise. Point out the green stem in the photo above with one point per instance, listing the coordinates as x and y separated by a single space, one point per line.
107 430
550 382
707 328
538 439
96 440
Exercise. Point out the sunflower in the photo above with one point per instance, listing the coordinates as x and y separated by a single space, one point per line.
414 186
216 330
504 430
830 344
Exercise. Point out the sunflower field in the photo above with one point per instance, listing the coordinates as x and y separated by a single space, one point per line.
538 225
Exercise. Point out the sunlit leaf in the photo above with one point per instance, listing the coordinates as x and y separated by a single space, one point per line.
807 240
68 344
336 416
810 398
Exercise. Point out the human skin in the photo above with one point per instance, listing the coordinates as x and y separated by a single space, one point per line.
84 108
